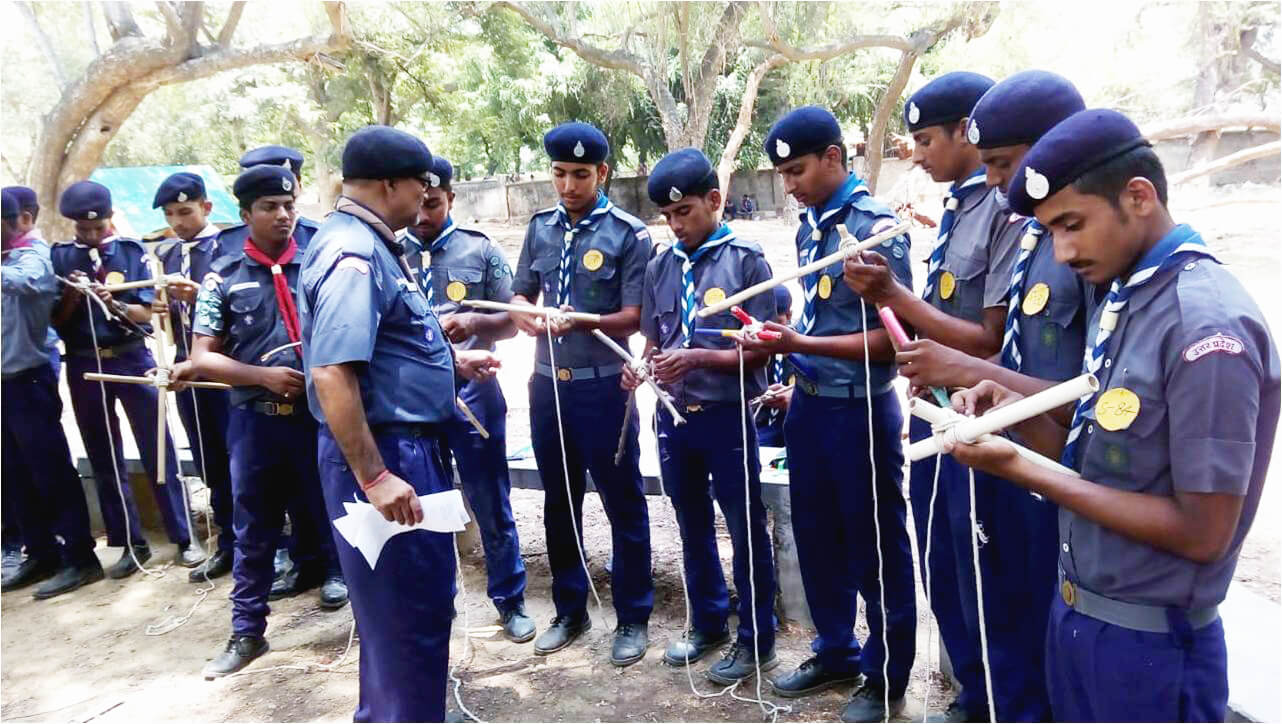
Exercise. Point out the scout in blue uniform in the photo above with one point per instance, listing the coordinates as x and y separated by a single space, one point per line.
246 309
232 239
769 419
1173 451
203 412
38 475
839 394
464 264
380 379
97 253
963 307
701 372
586 254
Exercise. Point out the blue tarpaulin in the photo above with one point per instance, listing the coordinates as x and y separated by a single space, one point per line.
134 187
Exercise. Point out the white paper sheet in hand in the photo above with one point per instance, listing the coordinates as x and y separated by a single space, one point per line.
368 531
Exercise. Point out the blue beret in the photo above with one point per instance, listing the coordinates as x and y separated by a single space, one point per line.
182 186
274 156
809 129
948 98
576 142
441 174
783 299
1021 108
26 197
85 201
686 172
264 180
1083 141
383 152
8 205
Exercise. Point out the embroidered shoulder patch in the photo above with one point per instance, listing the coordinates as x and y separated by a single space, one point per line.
1210 345
353 262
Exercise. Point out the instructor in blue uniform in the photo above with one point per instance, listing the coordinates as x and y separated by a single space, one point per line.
380 380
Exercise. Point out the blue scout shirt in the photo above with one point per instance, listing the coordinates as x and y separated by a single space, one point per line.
123 260
237 302
200 253
30 292
232 239
609 272
358 305
1202 372
837 307
722 270
979 259
468 266
1052 316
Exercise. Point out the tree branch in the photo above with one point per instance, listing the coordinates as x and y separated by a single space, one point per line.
120 20
1196 125
876 142
89 26
173 23
46 47
615 59
1263 150
229 26
743 124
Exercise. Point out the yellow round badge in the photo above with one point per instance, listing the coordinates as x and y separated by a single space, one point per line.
456 291
563 374
825 286
593 260
115 278
1036 298
715 295
1117 408
947 285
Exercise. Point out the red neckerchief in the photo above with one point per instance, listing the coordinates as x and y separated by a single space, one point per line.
22 242
284 300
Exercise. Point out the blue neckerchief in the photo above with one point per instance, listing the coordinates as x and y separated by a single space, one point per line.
957 193
442 239
689 302
571 231
831 214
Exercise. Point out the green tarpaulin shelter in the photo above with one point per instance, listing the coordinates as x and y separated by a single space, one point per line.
134 187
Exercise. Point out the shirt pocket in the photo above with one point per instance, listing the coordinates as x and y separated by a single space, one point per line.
249 314
667 314
1045 338
464 283
546 269
967 300
596 281
1134 457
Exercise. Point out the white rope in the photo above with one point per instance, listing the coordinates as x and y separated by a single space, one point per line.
876 518
979 598
925 574
468 650
306 668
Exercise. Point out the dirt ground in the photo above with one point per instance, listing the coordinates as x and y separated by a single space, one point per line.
88 656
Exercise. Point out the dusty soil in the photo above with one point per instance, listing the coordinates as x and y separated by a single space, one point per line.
87 656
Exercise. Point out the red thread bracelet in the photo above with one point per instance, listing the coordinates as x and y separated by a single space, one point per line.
377 479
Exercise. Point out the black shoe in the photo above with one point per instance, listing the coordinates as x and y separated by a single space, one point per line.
240 651
11 559
333 592
281 563
630 641
694 647
812 678
563 631
869 705
293 583
955 714
219 564
125 566
190 554
32 570
739 663
69 578
517 627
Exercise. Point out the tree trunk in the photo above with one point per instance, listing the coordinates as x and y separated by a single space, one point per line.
876 142
743 124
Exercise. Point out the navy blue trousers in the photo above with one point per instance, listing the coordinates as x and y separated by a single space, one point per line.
593 412
139 402
1096 671
40 482
482 467
273 467
832 511
404 607
710 445
204 417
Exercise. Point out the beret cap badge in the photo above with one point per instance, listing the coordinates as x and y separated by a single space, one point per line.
782 148
1036 184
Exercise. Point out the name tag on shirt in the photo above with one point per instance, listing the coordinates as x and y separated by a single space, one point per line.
243 285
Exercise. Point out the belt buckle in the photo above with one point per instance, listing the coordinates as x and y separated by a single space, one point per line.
1068 592
279 408
807 386
564 374
106 353
694 408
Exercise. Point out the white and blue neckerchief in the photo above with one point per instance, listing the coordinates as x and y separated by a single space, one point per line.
603 206
776 368
435 246
957 193
1180 244
832 214
689 302
1011 357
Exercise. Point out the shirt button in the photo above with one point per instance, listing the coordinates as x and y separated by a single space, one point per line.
1108 363
1189 266
1065 547
1090 429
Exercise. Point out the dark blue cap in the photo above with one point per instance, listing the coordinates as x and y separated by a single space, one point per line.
945 99
783 300
1083 141
8 205
383 152
808 129
85 201
682 173
26 197
264 180
576 142
1021 108
442 173
274 156
180 187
